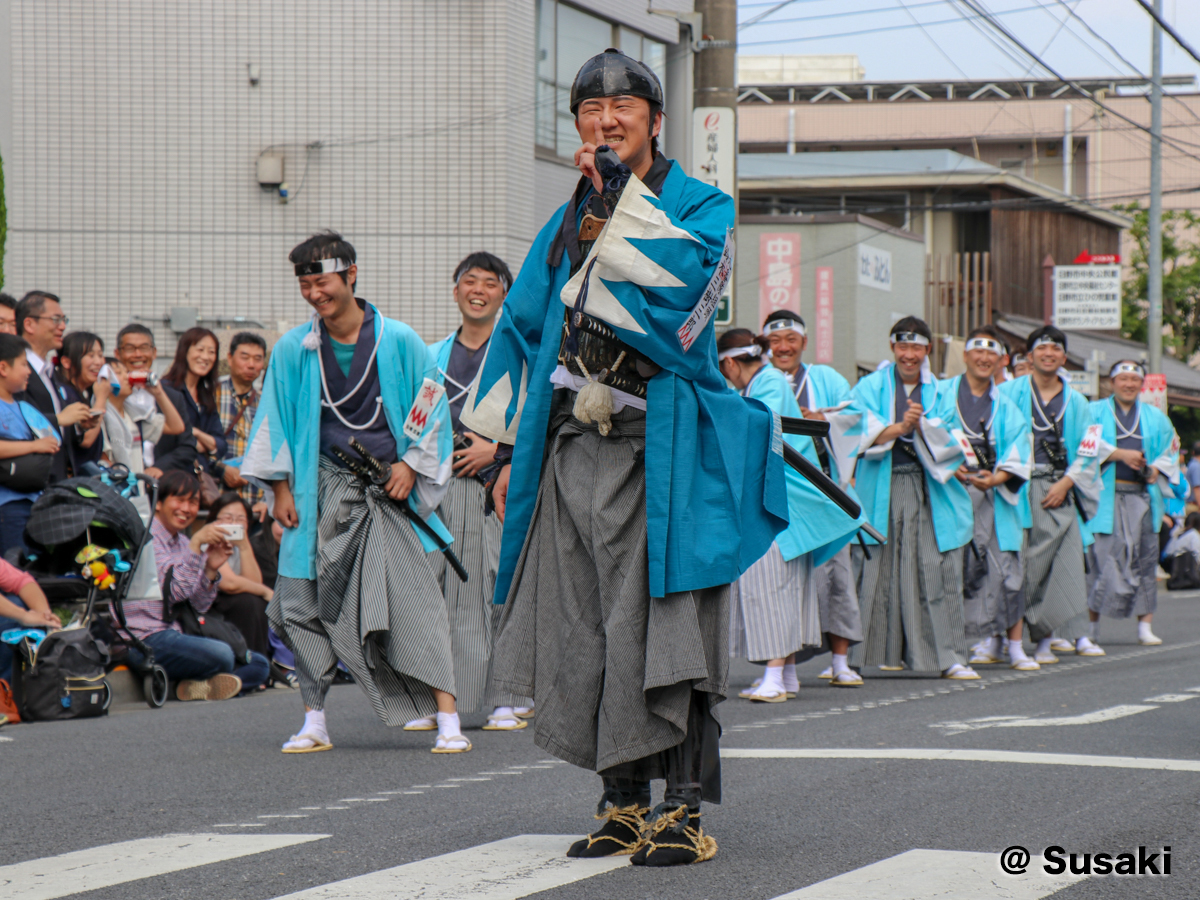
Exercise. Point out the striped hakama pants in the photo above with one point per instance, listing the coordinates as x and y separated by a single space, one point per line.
1123 566
1055 588
375 605
774 609
612 669
473 616
993 579
910 592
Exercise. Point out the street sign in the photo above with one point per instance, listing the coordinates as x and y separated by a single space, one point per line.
714 142
1087 383
1097 259
874 267
1087 297
724 314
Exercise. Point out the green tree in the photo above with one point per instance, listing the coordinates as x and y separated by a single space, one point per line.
1181 280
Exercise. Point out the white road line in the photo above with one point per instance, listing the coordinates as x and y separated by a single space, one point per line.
503 870
1170 698
992 756
5 740
1092 718
937 875
113 864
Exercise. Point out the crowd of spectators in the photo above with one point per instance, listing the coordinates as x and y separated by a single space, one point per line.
72 406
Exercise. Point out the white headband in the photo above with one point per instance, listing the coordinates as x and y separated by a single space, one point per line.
748 350
1047 339
908 337
781 324
1127 368
985 343
321 267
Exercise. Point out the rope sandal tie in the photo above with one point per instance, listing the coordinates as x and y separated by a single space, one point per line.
632 818
664 823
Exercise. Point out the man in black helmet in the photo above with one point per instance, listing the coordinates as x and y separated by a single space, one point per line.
633 484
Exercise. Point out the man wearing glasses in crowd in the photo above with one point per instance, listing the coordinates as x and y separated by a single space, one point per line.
8 314
40 321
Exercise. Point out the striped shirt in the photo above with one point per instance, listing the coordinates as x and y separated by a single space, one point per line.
145 617
229 404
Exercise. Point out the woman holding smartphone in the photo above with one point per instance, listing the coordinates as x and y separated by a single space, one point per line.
241 595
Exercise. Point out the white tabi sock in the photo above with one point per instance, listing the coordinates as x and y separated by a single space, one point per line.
790 682
1016 651
1094 631
448 724
839 664
1144 631
314 724
1043 646
772 680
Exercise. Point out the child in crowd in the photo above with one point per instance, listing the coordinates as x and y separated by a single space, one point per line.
24 433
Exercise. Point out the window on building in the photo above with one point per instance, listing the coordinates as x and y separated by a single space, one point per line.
567 38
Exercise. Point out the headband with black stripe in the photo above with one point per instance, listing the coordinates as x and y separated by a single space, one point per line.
321 267
908 337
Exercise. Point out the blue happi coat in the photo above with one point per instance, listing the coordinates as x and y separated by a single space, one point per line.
874 401
827 389
285 441
817 525
1012 447
1160 446
715 496
1076 417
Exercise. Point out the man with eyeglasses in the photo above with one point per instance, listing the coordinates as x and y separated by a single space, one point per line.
137 352
8 314
40 321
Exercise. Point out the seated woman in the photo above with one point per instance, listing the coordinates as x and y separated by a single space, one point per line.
205 668
79 365
127 431
241 596
194 375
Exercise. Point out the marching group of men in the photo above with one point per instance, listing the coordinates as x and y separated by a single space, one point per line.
575 453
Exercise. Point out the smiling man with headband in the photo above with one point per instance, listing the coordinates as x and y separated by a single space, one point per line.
1059 497
481 281
999 463
1139 460
822 393
911 588
355 582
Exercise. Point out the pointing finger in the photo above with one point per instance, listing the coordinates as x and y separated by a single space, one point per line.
599 133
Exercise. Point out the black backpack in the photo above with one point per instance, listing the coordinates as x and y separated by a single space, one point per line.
1185 575
62 677
209 624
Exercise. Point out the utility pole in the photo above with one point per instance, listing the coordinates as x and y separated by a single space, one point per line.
1154 226
714 110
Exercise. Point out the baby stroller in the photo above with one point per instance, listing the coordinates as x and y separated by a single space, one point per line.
86 538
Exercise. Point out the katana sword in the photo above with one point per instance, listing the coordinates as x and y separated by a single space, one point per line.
373 471
816 428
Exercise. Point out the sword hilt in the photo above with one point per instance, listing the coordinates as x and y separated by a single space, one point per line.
382 469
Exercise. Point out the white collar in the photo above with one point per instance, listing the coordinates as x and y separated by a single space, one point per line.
40 365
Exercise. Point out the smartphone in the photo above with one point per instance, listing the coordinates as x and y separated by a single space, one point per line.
234 532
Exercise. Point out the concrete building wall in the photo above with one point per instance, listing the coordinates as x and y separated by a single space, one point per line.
862 315
1110 161
131 133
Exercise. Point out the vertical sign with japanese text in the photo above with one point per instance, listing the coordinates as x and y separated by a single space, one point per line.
714 143
824 323
778 272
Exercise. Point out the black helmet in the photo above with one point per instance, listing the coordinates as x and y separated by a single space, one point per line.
613 73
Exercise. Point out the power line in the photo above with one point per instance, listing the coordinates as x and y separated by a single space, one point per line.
991 20
763 15
817 37
1166 26
841 14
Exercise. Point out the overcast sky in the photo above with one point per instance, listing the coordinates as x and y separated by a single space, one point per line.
950 47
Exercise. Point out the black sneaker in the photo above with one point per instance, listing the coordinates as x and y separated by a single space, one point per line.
674 838
620 835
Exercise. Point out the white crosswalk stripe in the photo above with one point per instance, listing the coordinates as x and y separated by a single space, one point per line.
112 864
503 870
987 756
937 875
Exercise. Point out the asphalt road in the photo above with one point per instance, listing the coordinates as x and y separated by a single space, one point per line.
380 799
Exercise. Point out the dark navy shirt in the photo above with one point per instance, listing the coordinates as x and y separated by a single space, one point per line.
1042 431
1128 421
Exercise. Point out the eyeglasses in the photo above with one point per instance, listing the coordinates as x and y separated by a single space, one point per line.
57 320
